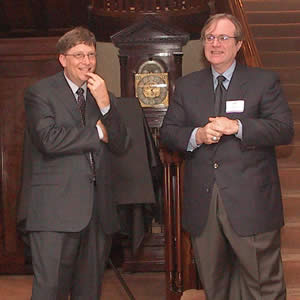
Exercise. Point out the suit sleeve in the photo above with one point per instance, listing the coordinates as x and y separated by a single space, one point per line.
175 132
274 124
53 137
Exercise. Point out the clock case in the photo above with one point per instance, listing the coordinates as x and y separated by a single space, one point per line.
150 41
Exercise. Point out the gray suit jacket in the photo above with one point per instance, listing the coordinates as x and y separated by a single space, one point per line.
57 191
244 170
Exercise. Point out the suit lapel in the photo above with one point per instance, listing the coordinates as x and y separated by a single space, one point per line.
238 84
206 91
237 87
66 96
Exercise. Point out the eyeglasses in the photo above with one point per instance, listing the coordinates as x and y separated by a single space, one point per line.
81 56
222 38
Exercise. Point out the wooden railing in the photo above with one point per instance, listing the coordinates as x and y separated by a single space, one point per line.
109 7
249 51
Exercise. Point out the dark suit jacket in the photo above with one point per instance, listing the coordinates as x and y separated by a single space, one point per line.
246 171
57 191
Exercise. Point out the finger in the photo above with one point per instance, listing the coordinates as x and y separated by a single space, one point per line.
92 75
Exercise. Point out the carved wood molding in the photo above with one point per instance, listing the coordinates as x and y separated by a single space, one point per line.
124 7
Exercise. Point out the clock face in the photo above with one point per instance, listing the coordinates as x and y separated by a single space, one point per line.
152 89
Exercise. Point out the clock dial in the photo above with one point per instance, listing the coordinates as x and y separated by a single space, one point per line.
152 89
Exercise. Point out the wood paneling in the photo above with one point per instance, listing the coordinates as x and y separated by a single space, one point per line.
22 62
19 18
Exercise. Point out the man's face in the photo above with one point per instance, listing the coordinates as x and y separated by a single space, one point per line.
78 61
221 54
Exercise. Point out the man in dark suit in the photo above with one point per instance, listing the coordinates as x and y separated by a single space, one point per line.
232 200
73 127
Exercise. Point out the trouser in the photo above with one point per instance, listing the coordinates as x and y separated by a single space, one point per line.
69 263
233 267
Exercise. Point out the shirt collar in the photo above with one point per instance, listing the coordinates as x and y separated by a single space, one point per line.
227 74
74 87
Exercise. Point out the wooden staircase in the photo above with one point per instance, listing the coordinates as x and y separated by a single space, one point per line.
275 25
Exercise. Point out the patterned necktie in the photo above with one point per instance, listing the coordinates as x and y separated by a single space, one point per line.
219 94
81 103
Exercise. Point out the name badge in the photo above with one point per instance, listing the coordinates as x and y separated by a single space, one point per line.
235 106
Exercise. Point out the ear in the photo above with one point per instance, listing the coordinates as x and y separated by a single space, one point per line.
62 60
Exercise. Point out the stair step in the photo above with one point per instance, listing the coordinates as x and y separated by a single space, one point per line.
290 241
280 59
289 179
292 273
291 206
258 5
277 43
273 17
296 140
288 156
268 30
292 92
293 293
295 107
288 75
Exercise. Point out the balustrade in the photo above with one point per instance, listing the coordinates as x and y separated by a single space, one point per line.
146 6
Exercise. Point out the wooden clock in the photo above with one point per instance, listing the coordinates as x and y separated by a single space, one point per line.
150 54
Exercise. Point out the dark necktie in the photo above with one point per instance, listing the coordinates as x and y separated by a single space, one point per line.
81 103
220 93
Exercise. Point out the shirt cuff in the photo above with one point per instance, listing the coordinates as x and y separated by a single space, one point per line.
192 145
105 110
239 134
100 132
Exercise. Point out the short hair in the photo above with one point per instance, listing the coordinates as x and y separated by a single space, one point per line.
214 18
78 35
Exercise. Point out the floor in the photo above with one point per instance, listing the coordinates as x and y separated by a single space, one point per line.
144 286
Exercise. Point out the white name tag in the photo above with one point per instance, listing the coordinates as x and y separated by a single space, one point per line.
235 106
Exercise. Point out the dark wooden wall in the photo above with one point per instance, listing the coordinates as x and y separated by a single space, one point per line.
24 18
29 30
22 62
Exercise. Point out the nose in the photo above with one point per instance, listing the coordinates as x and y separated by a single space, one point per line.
86 59
216 42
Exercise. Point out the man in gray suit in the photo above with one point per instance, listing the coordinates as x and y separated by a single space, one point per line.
72 128
232 200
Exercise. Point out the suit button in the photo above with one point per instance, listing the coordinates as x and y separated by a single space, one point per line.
93 179
216 166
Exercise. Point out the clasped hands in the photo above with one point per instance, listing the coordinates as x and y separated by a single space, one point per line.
215 129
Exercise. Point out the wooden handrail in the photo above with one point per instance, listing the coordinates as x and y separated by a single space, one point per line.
249 48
